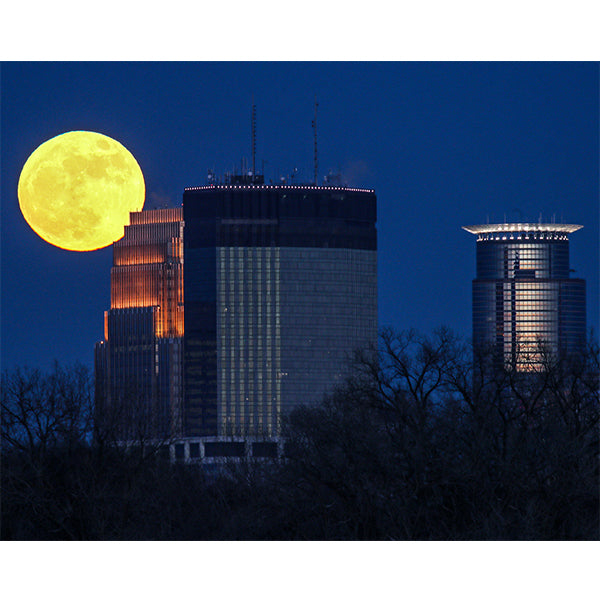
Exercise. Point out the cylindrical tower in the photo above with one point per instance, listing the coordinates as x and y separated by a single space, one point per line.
524 302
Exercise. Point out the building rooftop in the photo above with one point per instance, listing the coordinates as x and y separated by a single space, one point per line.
251 186
556 228
156 215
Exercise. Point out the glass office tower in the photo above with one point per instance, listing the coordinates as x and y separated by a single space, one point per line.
280 288
524 299
138 365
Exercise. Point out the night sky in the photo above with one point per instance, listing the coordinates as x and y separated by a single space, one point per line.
442 144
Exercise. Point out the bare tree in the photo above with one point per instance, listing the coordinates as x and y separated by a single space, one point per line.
47 421
42 411
455 447
426 440
67 473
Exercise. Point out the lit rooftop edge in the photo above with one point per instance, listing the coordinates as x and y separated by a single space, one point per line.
251 186
513 227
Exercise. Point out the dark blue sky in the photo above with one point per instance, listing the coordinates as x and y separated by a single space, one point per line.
442 144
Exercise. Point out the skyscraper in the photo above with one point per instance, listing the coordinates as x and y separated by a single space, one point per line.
280 288
523 296
138 365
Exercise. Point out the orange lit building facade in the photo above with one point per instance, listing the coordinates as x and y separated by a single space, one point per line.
139 363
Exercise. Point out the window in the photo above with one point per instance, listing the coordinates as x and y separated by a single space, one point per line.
179 451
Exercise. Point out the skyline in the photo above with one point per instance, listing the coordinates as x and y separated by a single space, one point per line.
443 145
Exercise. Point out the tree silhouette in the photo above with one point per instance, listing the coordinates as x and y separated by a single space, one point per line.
427 439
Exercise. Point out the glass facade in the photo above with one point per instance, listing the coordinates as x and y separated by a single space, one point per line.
138 366
249 340
523 298
328 303
280 288
288 320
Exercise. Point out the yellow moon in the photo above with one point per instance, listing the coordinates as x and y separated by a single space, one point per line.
77 189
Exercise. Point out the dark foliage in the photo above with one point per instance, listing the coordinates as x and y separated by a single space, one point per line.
418 446
421 443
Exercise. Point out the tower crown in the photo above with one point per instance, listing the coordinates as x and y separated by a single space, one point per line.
505 231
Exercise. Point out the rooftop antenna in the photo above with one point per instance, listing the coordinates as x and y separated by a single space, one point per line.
314 124
253 140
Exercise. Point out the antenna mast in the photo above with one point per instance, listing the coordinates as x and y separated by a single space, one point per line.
253 141
314 124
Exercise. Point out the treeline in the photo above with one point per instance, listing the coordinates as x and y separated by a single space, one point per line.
423 442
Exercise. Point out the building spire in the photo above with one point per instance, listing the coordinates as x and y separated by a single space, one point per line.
253 141
314 125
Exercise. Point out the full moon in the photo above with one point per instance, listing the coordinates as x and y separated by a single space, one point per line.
77 189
